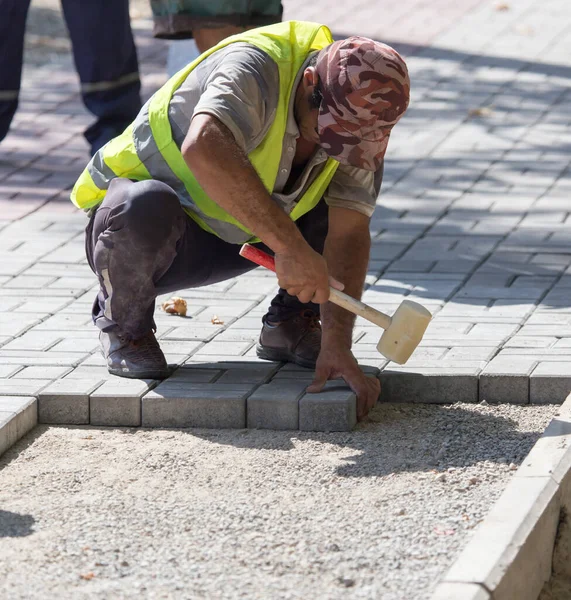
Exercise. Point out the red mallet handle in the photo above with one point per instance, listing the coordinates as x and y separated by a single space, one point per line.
258 256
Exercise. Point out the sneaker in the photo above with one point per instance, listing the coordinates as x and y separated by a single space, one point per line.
135 359
296 340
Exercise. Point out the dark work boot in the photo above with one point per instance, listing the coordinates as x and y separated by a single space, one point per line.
296 339
136 359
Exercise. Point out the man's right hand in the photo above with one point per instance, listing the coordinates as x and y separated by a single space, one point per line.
302 272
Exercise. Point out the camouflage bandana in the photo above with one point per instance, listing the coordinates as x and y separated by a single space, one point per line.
365 88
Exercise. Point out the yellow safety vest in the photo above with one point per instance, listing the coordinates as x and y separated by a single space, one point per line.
146 149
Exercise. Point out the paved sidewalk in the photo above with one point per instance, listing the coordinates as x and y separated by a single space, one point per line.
473 221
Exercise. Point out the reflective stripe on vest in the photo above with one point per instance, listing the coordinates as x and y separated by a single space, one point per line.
147 149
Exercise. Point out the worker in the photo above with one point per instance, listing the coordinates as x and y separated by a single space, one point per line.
276 135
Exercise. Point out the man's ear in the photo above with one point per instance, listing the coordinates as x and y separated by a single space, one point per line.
310 77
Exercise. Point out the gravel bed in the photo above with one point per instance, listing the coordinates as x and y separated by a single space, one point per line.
377 513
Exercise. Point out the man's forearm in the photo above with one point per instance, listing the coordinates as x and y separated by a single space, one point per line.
227 176
347 256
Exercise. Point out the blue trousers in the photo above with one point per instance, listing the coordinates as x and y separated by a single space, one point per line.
105 59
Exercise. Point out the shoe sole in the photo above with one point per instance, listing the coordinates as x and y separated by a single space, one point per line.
281 355
141 374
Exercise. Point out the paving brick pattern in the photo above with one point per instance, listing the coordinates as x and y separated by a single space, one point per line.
473 221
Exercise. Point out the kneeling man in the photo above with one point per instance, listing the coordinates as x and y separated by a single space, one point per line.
275 136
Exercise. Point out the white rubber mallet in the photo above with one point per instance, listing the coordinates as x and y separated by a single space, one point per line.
403 331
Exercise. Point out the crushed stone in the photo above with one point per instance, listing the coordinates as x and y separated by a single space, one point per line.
380 512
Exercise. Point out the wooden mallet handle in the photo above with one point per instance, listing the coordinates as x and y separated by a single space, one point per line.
339 298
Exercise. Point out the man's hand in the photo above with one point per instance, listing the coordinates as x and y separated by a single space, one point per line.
302 272
335 362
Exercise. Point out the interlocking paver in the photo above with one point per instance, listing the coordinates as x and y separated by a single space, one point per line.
117 403
34 340
66 401
333 409
196 405
275 405
250 373
439 385
41 373
37 358
18 415
550 382
7 371
22 387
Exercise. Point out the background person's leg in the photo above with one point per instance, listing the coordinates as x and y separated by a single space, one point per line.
106 61
210 21
12 28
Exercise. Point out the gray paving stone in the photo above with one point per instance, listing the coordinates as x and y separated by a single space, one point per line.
185 375
545 330
7 371
333 409
506 379
550 383
13 324
562 344
179 347
42 373
18 415
76 344
66 402
441 327
493 330
65 321
226 348
27 281
91 373
275 405
117 403
306 376
253 373
473 353
545 318
427 365
561 354
22 387
37 358
202 333
522 341
455 266
235 334
249 358
440 386
198 405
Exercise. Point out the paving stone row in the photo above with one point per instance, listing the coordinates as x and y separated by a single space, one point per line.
473 221
212 395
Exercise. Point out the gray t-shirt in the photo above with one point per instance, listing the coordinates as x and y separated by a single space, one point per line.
239 85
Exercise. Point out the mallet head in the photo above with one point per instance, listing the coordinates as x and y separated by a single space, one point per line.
407 327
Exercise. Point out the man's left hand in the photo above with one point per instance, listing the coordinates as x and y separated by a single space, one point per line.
335 362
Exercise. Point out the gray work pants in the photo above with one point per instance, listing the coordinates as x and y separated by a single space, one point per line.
140 243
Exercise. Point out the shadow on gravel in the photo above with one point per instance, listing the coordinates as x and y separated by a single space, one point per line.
21 445
405 438
15 525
